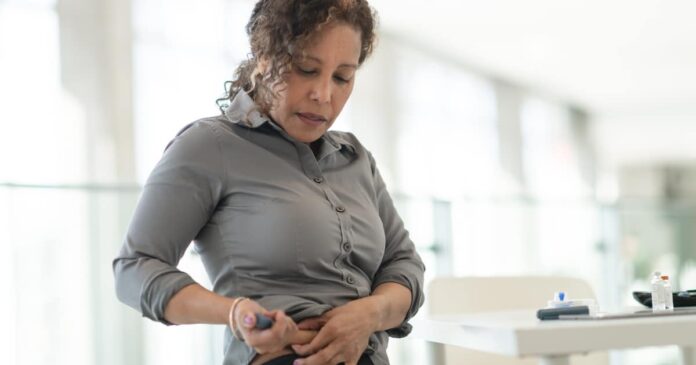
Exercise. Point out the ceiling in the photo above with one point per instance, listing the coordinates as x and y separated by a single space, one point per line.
608 57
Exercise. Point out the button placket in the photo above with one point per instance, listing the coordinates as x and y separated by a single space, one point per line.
312 169
345 245
344 222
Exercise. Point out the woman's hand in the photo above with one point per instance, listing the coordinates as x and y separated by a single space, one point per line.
284 331
343 333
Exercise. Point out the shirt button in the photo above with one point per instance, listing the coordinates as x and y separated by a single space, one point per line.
340 209
346 246
318 180
350 279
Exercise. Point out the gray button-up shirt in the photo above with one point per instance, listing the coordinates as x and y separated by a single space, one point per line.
271 220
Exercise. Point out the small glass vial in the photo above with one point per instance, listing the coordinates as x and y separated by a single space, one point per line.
658 292
667 287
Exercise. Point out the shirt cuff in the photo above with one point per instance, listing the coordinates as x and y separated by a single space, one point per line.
414 284
159 291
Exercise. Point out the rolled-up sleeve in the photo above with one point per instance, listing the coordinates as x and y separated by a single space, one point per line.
178 198
401 263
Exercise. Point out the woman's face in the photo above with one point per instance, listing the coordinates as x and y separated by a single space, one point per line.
317 87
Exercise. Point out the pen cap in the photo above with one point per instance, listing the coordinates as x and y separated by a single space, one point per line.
591 304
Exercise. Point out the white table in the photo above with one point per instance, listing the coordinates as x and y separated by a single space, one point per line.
521 334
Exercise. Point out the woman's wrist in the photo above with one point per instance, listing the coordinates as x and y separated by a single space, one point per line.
393 301
376 307
196 304
232 318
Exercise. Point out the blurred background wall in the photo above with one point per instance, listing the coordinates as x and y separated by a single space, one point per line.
536 137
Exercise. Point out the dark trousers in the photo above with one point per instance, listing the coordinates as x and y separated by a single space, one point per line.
288 359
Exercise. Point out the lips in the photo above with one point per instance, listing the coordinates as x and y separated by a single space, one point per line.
311 118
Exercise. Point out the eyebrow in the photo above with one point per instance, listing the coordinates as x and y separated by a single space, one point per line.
317 60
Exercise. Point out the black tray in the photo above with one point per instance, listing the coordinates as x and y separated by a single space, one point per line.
681 299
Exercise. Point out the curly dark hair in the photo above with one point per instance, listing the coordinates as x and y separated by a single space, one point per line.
279 30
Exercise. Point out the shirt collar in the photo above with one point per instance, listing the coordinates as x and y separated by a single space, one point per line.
243 110
338 141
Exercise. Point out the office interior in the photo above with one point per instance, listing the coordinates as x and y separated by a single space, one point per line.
517 138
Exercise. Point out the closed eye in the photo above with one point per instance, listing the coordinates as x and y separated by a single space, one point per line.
306 71
341 80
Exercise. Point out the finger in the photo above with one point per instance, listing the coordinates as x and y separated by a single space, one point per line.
338 359
264 341
329 355
346 355
278 334
285 323
292 326
280 316
248 319
266 320
314 323
321 340
273 314
302 337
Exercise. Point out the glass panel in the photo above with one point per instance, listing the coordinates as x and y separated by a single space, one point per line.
179 71
58 243
37 117
447 141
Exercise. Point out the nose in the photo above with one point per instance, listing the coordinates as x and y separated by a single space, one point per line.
321 90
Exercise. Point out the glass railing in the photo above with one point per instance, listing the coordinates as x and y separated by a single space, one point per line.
59 241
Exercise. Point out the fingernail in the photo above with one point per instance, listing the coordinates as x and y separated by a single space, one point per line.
248 320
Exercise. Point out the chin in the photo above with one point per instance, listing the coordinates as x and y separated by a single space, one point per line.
309 137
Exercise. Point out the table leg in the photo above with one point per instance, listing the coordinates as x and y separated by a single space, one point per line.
688 355
554 360
436 353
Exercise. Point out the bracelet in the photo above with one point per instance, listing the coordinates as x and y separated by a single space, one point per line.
236 333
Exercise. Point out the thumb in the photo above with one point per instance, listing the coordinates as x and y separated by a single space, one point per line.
249 320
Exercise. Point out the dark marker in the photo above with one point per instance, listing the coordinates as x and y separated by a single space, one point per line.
263 322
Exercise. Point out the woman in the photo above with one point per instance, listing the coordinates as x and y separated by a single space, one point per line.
291 221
